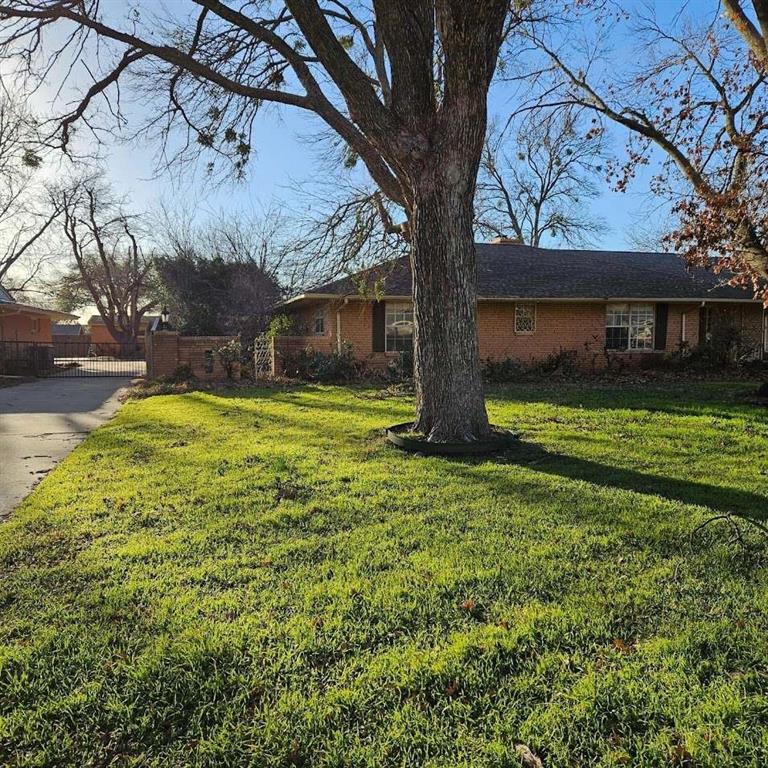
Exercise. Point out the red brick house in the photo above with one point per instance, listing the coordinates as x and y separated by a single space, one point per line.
100 334
534 302
25 335
26 322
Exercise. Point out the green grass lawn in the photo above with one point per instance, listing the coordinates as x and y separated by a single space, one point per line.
258 579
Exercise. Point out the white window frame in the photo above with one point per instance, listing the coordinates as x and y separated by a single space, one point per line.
632 325
526 304
395 308
320 314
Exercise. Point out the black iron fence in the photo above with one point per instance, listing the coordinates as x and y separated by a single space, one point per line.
25 358
71 359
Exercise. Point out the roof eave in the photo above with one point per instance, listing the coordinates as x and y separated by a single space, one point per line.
309 296
648 299
27 309
637 299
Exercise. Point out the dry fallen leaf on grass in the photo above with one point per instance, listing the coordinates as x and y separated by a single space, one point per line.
528 757
621 646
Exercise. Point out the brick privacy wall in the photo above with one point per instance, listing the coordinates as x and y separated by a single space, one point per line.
578 326
100 334
71 346
168 350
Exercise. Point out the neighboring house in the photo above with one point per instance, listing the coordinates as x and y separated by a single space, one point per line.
25 322
534 302
64 331
100 334
70 340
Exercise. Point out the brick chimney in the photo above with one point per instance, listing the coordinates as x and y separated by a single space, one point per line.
507 241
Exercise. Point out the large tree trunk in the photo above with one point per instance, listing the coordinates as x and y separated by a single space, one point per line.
443 172
449 391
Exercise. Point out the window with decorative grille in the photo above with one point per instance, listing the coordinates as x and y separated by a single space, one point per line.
525 318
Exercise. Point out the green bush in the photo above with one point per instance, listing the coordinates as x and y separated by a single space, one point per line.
727 348
280 325
183 373
401 367
339 367
502 371
564 362
561 363
230 355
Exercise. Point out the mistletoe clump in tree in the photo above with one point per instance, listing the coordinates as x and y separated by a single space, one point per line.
403 84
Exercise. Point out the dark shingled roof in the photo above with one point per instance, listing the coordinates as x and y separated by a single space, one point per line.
521 271
66 329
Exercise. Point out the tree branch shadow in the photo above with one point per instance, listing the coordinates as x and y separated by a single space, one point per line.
720 499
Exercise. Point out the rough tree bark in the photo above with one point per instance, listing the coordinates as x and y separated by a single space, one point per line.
416 119
449 390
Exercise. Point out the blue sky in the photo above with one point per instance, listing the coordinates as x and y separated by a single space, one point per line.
281 160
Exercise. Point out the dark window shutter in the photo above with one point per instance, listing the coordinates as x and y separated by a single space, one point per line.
378 325
660 337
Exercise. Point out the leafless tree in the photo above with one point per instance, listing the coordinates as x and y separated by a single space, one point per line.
695 96
403 84
262 237
110 268
24 216
537 177
340 226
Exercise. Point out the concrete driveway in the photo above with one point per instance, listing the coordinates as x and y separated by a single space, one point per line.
41 422
106 366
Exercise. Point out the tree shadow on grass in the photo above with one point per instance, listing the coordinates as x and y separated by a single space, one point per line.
723 400
717 498
720 499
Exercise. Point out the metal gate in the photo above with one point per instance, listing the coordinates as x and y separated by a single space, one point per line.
262 356
71 359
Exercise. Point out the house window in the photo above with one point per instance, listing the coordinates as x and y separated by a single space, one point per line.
525 318
765 331
629 326
399 327
35 325
319 323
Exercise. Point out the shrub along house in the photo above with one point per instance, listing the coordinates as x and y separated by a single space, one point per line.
603 306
